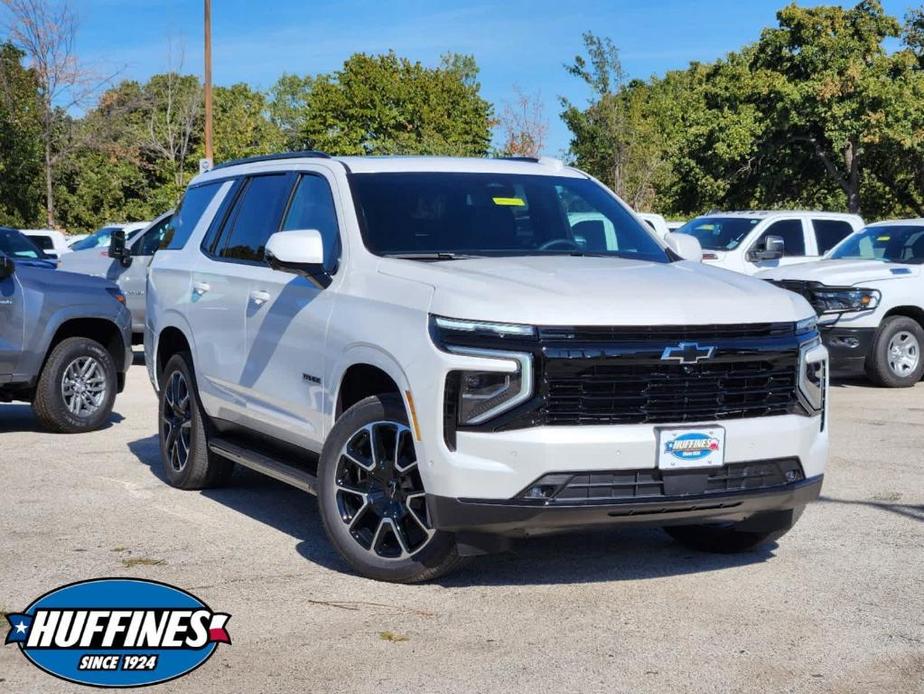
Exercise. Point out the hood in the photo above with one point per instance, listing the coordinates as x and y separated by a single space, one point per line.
842 273
36 262
565 290
62 281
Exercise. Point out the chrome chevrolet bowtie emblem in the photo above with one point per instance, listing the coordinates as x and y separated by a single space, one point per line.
687 353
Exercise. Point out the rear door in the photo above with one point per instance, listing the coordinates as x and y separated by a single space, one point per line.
287 318
830 232
221 281
11 324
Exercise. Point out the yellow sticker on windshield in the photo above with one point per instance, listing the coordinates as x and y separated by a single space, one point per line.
883 238
510 202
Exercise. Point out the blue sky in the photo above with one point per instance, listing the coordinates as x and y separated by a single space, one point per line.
516 42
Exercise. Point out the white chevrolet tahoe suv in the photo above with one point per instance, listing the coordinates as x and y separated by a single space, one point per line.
869 296
455 352
749 242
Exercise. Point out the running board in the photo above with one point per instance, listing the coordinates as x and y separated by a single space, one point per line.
271 467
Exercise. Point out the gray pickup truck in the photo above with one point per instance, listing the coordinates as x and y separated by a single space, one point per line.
65 344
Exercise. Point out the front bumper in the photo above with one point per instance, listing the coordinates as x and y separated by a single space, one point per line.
848 348
520 518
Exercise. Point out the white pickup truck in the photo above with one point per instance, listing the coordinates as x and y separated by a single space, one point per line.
455 352
869 296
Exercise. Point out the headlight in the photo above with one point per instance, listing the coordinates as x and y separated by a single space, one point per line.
813 375
486 394
474 327
844 299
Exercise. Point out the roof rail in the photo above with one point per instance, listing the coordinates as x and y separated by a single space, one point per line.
307 153
535 160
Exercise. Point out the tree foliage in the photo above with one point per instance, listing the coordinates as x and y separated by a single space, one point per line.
816 113
385 104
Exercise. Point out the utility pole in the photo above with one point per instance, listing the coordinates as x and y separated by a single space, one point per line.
208 87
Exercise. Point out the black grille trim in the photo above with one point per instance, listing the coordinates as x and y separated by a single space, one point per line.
670 333
652 483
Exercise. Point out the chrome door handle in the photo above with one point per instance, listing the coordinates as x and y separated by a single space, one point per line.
259 297
200 288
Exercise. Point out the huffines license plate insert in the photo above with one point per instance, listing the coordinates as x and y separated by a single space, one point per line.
688 448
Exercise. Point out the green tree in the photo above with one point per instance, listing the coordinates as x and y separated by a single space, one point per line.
242 125
20 141
389 105
288 108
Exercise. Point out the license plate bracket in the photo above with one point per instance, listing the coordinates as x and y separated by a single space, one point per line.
690 448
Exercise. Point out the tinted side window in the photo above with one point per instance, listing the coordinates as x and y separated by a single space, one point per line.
790 230
830 232
255 217
43 242
188 215
152 239
313 208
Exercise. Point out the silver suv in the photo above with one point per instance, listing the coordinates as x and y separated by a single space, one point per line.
455 352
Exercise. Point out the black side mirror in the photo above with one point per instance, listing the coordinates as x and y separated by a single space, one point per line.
117 250
7 266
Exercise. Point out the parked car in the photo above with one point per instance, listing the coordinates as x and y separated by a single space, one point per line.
423 343
99 239
126 264
65 344
749 242
868 293
674 225
53 242
656 222
16 246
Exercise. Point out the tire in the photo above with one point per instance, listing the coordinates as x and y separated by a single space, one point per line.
732 538
77 387
382 528
183 431
902 369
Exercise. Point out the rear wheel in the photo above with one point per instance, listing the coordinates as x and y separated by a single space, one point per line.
372 498
77 387
187 461
895 360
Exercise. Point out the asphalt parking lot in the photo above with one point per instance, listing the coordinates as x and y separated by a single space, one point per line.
837 606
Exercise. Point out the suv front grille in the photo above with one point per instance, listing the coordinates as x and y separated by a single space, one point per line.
752 373
652 483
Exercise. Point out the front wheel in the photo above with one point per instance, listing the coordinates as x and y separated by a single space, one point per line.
372 497
77 387
895 359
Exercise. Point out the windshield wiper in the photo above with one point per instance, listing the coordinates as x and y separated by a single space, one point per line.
443 255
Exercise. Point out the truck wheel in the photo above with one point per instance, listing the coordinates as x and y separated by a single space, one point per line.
77 387
731 538
895 358
372 499
184 451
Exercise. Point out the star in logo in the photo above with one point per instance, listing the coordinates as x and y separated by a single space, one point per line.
21 628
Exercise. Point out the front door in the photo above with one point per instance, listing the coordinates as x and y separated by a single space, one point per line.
287 317
132 280
11 324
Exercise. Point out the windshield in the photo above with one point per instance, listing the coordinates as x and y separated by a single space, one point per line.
719 233
891 244
17 245
98 239
437 216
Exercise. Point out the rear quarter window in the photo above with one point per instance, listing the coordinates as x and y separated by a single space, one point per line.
830 232
188 214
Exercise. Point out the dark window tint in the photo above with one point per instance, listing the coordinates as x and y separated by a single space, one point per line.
790 230
152 239
496 214
313 208
43 242
17 245
188 215
830 232
255 217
